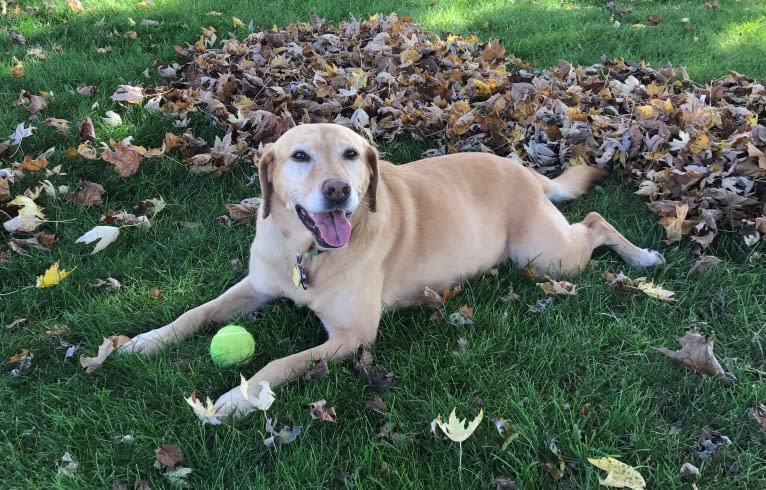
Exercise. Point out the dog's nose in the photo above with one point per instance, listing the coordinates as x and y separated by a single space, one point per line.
336 191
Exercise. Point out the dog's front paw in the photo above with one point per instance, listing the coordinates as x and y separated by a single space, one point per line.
648 258
233 404
146 344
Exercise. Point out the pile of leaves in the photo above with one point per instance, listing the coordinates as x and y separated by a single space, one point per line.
697 152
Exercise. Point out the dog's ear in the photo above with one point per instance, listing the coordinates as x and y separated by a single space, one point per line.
372 188
265 174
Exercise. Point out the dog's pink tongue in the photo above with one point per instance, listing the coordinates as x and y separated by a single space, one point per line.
334 227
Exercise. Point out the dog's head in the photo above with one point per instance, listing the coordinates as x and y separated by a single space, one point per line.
322 173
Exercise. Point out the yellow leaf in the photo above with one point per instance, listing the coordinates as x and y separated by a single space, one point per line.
237 22
456 429
655 291
553 288
18 69
52 276
674 227
619 475
28 207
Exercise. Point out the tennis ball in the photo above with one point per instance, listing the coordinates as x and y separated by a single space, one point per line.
232 345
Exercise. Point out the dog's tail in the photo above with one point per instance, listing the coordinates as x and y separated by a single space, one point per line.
571 184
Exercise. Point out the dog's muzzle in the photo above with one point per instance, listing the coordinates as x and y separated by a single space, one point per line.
331 229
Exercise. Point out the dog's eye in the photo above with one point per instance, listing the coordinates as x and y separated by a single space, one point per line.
300 156
350 154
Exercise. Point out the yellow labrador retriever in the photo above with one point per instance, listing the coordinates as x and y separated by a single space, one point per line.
346 234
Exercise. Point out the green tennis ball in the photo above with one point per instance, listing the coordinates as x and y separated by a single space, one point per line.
232 345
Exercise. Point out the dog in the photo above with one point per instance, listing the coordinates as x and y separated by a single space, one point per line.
345 233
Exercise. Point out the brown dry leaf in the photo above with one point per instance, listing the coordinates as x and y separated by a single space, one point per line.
704 263
320 411
18 357
697 354
124 158
5 189
433 300
106 349
32 165
17 70
319 369
60 125
653 20
676 227
466 311
528 273
554 288
34 104
87 90
85 129
759 415
376 405
88 194
169 455
245 211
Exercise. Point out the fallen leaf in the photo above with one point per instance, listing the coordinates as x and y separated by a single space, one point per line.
265 397
111 118
540 305
128 93
245 211
52 276
319 369
75 5
284 436
703 263
619 475
455 429
459 319
759 415
376 405
169 455
124 158
86 151
67 466
87 90
655 291
109 284
509 297
675 227
85 130
20 133
688 469
653 20
88 194
106 349
552 287
106 235
710 442
205 413
61 126
320 411
697 354
19 356
16 323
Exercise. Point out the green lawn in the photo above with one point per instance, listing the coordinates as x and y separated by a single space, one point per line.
582 374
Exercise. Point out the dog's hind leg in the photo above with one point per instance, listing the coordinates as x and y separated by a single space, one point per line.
240 298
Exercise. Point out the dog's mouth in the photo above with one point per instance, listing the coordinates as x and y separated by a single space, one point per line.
331 229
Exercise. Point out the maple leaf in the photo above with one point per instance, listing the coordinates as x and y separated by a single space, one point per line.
320 411
107 347
675 227
456 429
205 413
20 133
52 276
619 475
28 207
697 354
32 165
124 158
105 235
265 397
246 210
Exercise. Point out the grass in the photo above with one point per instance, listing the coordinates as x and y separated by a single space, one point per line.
538 371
